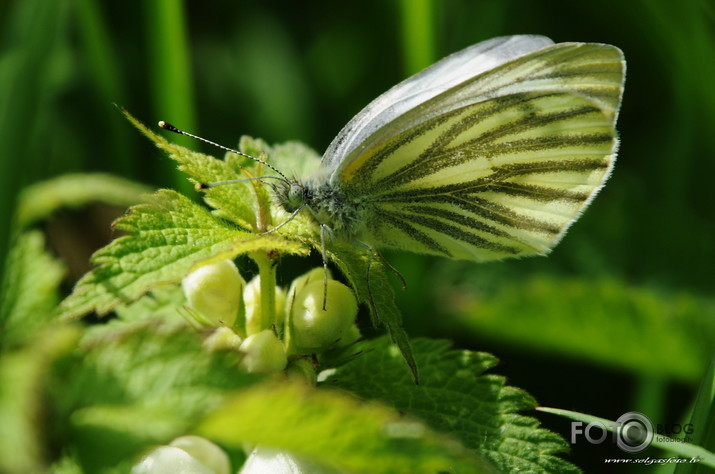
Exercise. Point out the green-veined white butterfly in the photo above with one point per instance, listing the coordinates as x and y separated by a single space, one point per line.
492 152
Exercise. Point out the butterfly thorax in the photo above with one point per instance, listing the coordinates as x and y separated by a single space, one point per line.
326 203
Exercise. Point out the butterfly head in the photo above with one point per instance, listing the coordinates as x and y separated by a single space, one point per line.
290 194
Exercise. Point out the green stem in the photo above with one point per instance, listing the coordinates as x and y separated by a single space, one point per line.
267 272
417 24
288 325
650 396
170 74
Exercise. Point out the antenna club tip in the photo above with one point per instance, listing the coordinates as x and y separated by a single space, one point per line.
200 186
167 126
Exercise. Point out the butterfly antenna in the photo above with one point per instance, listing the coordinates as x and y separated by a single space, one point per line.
171 128
236 181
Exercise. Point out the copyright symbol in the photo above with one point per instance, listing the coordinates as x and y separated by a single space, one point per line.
634 432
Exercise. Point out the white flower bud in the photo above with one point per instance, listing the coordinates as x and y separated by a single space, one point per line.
316 274
252 301
266 460
223 339
264 353
315 329
206 452
214 291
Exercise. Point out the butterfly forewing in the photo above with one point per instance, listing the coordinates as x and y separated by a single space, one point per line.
499 178
418 89
593 70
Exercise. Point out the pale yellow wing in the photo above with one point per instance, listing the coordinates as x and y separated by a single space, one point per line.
497 166
496 179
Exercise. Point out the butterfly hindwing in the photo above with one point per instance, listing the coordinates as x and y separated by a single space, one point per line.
496 179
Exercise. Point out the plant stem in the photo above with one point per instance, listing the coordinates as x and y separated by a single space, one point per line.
267 273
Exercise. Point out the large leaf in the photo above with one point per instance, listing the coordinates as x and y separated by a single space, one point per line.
605 320
168 237
233 202
456 396
335 430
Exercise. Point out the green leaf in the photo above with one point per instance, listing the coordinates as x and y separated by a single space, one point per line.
377 294
686 450
335 430
24 373
247 204
703 420
75 190
233 202
607 321
164 302
168 237
128 386
456 396
30 287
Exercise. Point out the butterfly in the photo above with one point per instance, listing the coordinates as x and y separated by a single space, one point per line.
492 152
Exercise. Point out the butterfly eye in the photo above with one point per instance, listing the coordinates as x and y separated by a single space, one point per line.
290 195
296 194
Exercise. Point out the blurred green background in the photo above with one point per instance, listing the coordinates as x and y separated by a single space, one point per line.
620 317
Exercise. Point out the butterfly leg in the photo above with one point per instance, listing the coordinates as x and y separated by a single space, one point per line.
324 231
373 251
392 269
370 252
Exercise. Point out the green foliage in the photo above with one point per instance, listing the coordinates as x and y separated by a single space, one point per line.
703 416
29 292
377 293
456 396
235 202
167 237
63 63
40 200
164 302
146 377
24 372
607 321
169 53
335 430
130 385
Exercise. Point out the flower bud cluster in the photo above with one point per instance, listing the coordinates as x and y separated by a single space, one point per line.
274 331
